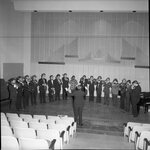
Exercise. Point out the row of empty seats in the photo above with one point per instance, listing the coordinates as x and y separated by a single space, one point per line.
57 130
139 134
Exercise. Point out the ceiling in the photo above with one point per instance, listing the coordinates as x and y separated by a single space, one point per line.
81 5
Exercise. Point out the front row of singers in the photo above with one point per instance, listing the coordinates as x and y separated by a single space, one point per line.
25 88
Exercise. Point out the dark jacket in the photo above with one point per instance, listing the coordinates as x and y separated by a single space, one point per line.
42 88
99 87
33 86
57 85
65 83
91 85
50 85
78 98
135 94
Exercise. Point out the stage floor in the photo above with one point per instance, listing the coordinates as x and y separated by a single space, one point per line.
97 117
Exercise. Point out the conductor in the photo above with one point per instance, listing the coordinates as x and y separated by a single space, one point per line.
78 104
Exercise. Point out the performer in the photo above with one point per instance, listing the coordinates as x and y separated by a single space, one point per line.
26 91
91 88
51 88
128 96
83 82
135 97
42 88
78 104
122 93
12 88
19 101
107 86
57 86
114 91
73 84
98 89
33 86
65 84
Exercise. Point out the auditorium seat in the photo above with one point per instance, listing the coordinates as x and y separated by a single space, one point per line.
14 119
6 131
4 123
137 129
24 133
27 116
39 117
47 121
9 143
38 125
53 117
130 126
34 144
30 120
50 135
140 140
12 115
62 131
18 124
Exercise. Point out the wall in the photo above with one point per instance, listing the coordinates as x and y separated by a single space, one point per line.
93 44
14 36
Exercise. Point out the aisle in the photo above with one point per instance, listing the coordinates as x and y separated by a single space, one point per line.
98 141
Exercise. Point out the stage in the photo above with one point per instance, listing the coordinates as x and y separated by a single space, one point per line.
97 117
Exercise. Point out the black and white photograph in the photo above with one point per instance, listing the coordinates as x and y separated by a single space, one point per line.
74 74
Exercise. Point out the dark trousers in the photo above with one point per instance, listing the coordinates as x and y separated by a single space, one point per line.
114 99
33 98
64 94
98 97
19 101
122 101
26 97
91 95
78 114
106 98
127 103
42 96
57 95
134 109
51 95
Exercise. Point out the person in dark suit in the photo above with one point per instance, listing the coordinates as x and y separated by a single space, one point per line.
51 88
42 88
78 104
26 91
122 93
65 84
128 96
57 86
91 88
98 89
20 86
12 88
83 82
33 86
135 97
107 86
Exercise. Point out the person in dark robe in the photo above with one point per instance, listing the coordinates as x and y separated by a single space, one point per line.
91 83
106 90
34 91
98 89
42 88
57 86
135 97
128 96
122 93
65 84
20 86
51 89
26 91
